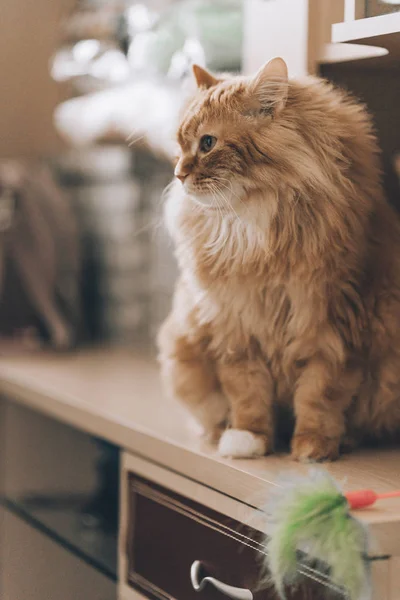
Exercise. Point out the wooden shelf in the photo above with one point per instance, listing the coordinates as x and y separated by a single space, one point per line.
117 395
381 32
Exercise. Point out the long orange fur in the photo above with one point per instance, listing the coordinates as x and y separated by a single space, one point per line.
289 256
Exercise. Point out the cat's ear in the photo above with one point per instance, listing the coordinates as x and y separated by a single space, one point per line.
270 85
203 78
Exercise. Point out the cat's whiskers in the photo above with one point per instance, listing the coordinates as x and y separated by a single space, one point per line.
215 198
154 224
132 142
166 191
246 207
232 233
227 203
254 222
131 135
227 206
230 189
198 204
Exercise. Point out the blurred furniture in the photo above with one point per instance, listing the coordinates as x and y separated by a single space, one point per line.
180 503
374 79
359 9
39 260
362 26
120 126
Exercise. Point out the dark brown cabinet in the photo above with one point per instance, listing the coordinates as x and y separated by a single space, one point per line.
173 543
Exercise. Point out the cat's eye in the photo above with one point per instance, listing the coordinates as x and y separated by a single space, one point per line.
207 143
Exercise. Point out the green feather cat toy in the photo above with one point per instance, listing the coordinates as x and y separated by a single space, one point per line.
309 523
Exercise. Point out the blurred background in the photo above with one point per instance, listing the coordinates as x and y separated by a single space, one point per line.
90 95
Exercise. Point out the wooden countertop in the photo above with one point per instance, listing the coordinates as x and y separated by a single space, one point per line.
117 395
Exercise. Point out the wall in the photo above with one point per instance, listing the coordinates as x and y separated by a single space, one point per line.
297 30
275 28
29 33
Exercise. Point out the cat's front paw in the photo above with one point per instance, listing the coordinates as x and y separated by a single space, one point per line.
312 447
239 443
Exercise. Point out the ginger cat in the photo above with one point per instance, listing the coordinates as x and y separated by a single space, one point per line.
289 256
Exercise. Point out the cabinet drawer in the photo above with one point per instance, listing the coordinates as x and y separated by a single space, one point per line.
167 533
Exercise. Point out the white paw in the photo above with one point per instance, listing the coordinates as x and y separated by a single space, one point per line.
238 443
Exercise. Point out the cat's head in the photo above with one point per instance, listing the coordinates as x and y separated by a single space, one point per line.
220 149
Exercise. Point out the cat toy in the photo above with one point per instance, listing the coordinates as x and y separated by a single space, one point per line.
310 524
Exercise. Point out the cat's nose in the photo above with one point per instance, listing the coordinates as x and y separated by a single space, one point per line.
181 176
183 169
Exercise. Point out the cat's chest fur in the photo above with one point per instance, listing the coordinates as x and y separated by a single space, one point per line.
240 310
234 290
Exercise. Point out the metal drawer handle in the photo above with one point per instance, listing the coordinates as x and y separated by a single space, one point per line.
230 591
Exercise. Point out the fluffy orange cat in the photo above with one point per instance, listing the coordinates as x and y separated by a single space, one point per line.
289 256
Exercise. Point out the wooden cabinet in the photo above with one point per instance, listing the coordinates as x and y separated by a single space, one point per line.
180 502
169 534
173 544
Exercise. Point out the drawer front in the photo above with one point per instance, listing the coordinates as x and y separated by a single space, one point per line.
168 532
